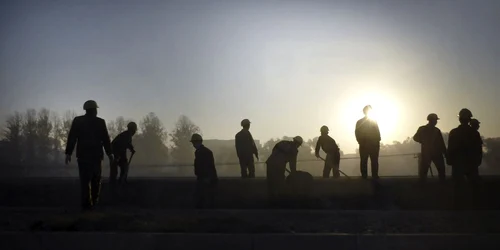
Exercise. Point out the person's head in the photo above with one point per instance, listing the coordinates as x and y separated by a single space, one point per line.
132 127
90 108
433 119
324 130
196 140
367 109
474 123
298 141
464 116
245 123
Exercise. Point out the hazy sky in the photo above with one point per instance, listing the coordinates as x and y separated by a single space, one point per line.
289 66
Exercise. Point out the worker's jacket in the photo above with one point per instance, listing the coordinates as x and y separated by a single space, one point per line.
284 152
464 145
89 134
367 132
431 140
121 143
245 145
204 164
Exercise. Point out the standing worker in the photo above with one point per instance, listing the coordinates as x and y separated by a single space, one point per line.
120 144
91 135
330 147
368 137
463 145
474 124
283 152
206 174
432 148
246 149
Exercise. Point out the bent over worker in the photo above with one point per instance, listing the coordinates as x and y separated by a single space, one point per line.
89 134
283 152
433 148
120 144
330 147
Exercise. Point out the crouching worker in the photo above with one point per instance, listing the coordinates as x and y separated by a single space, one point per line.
283 152
120 144
206 174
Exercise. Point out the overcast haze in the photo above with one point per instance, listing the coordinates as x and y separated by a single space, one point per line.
288 66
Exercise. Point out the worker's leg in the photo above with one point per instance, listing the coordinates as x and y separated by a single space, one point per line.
96 181
440 166
328 166
374 152
423 168
251 169
243 167
85 177
113 172
336 165
363 153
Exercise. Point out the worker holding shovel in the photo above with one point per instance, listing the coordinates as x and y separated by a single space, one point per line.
120 144
332 151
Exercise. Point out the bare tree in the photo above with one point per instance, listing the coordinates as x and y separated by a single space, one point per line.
182 151
14 137
30 135
56 137
43 131
67 120
150 144
112 129
121 124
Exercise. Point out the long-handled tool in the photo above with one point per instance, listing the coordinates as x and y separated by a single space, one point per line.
128 167
339 169
419 157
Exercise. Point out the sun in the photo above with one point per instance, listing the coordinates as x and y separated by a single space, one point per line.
385 111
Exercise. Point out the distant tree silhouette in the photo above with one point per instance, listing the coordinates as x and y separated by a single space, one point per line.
43 132
182 151
112 131
30 136
150 143
13 137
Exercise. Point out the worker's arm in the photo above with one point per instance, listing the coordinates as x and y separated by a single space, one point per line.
318 146
237 145
357 132
418 136
377 132
450 154
106 142
293 163
130 146
254 147
442 145
72 138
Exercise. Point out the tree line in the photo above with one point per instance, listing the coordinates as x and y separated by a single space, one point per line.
38 139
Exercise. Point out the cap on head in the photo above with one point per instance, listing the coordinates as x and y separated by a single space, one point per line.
90 104
367 108
465 113
324 129
132 126
297 139
245 122
432 117
474 122
196 138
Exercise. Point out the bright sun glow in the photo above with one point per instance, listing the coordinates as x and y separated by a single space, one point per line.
385 111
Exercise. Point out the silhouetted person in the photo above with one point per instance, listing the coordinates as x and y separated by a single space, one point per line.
433 148
332 151
283 152
474 124
246 149
463 144
120 144
89 134
206 174
368 137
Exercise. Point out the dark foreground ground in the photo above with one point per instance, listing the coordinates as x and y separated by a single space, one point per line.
396 213
233 193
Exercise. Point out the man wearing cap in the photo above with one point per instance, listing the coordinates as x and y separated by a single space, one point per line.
206 174
368 136
120 144
332 151
283 152
246 149
463 144
89 134
433 148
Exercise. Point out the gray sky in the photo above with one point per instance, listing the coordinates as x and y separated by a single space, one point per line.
289 66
